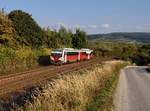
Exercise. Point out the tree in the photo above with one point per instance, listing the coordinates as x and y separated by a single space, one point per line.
28 30
65 37
51 38
54 39
7 32
79 39
144 50
5 25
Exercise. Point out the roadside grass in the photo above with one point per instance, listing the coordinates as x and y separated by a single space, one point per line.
148 67
103 100
84 90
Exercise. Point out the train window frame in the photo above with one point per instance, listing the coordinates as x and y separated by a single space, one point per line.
72 53
56 54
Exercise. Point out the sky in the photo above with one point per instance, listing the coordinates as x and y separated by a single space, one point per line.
92 16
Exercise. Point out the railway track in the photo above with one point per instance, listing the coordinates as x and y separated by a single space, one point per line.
20 81
39 68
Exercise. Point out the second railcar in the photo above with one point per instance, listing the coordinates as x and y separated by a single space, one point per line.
67 55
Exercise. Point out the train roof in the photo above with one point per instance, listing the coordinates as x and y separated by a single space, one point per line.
72 50
86 50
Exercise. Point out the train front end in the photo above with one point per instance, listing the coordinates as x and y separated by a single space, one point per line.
57 56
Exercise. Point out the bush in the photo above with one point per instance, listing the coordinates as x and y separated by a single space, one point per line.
12 60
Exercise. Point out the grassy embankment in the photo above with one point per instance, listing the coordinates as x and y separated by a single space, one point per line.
85 90
21 59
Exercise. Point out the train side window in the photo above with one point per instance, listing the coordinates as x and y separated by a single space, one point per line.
72 53
84 53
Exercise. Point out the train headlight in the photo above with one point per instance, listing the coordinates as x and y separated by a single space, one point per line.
51 58
60 59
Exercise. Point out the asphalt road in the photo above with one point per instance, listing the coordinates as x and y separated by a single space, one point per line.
133 91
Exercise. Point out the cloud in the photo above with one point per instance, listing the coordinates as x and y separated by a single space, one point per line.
147 25
138 27
58 25
105 26
92 26
61 24
73 27
68 26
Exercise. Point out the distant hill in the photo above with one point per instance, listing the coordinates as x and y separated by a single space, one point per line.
139 37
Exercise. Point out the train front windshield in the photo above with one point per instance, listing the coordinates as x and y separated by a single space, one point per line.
56 54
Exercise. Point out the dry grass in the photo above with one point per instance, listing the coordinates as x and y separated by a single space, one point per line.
72 92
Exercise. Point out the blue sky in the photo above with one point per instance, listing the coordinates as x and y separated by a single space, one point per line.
93 16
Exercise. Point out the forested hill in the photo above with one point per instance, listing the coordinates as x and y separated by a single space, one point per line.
123 36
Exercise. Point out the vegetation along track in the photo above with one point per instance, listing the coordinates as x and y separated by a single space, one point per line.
12 83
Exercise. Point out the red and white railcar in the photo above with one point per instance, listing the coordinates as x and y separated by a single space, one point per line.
66 55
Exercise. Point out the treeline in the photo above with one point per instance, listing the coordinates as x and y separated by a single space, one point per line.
136 53
19 28
22 41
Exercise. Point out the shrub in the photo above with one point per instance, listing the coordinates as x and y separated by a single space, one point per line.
12 60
